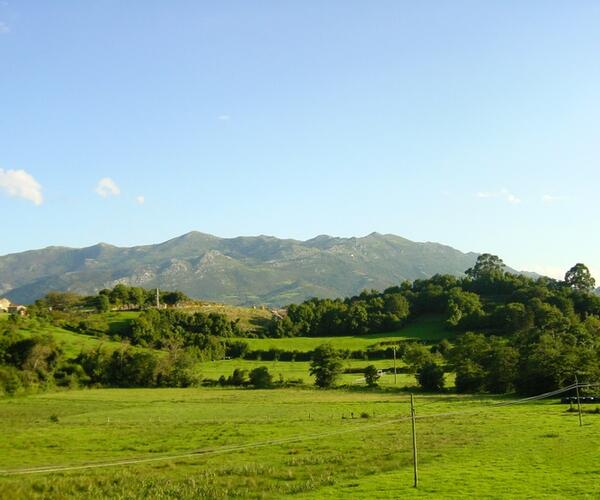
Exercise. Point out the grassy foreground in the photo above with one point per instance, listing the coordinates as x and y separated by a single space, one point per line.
534 450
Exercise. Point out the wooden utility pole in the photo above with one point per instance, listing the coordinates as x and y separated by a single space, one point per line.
394 364
414 441
157 299
578 401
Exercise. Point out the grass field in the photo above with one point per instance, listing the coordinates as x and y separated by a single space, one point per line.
298 370
426 328
72 343
535 450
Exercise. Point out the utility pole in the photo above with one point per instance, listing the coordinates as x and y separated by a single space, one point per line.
394 364
157 299
578 401
414 442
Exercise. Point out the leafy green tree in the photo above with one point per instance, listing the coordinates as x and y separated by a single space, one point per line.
137 296
174 298
103 303
61 301
119 295
358 319
10 380
580 278
326 365
416 356
501 364
513 317
486 266
396 304
463 308
470 377
371 375
431 377
261 378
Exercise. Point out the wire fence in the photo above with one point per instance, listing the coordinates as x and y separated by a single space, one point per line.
204 452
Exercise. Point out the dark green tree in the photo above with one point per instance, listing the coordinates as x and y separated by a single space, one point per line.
486 266
371 376
261 378
580 278
431 377
326 365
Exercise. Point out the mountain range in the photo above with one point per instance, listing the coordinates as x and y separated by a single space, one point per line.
242 270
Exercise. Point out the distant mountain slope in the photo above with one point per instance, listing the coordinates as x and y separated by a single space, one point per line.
244 270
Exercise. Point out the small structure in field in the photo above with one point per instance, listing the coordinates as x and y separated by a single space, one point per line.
17 309
4 305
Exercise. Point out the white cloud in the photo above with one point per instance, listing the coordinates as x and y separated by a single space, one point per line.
21 184
140 200
4 28
107 187
548 198
224 118
503 194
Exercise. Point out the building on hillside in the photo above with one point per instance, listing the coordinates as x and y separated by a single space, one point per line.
4 305
17 309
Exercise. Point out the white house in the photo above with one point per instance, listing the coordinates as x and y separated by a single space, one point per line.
4 305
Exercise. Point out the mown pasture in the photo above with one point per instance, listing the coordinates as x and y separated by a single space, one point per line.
298 371
428 328
292 441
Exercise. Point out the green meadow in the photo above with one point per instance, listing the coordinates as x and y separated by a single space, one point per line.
299 371
428 328
223 443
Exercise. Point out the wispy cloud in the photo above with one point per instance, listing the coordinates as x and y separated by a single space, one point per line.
140 200
503 194
22 185
4 28
549 198
224 118
107 187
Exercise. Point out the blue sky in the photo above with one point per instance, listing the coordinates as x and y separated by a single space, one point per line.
473 123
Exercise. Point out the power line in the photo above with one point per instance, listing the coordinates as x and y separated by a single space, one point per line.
292 439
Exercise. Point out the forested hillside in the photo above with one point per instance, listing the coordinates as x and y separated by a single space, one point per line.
494 331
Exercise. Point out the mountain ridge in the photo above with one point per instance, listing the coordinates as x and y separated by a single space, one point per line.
244 270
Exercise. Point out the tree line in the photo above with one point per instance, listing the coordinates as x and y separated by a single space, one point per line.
513 333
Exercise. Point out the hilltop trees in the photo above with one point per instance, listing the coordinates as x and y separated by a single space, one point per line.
580 278
368 312
165 327
488 266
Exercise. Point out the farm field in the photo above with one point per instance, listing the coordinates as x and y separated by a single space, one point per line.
72 343
292 441
299 371
426 328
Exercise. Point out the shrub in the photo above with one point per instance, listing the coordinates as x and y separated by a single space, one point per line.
431 377
371 376
261 378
